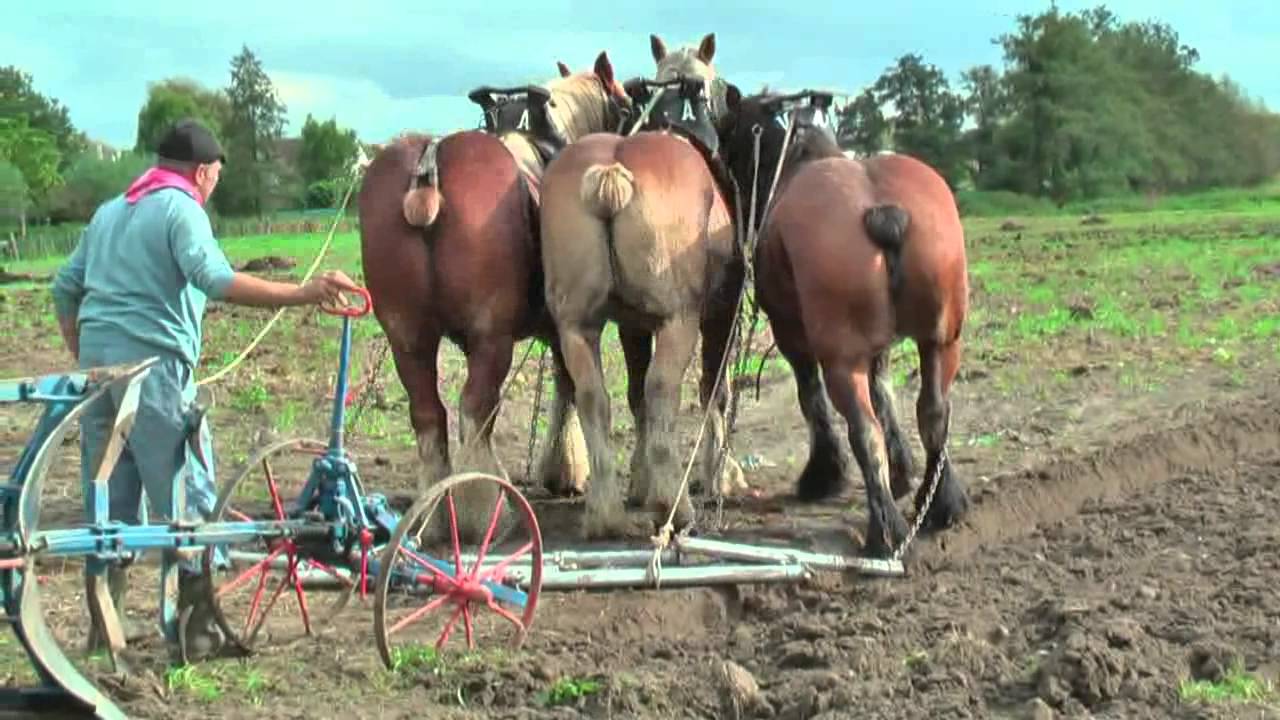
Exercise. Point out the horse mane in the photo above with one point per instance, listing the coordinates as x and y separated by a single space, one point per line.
579 105
685 61
523 150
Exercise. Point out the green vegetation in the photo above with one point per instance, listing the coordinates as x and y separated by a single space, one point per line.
1237 686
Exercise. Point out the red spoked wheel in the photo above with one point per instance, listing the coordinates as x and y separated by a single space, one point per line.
428 583
271 579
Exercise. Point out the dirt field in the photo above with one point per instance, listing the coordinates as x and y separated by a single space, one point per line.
1116 422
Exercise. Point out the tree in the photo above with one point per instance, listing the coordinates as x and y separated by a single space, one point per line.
15 197
18 96
862 127
987 103
173 99
255 125
927 114
91 180
35 153
325 158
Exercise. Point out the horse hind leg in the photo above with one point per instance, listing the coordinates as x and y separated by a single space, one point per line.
850 391
488 361
416 365
714 391
564 466
605 513
830 463
637 351
673 350
901 464
938 366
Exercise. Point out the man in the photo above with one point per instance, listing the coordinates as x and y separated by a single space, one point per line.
136 286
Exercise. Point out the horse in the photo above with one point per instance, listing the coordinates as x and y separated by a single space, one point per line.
853 256
638 230
449 242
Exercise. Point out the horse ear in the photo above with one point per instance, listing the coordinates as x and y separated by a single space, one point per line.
564 69
657 47
707 49
604 68
733 97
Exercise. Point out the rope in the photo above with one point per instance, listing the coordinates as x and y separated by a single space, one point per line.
665 534
324 249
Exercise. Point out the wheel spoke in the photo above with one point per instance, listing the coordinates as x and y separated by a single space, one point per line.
496 571
263 565
453 529
448 627
488 535
430 567
507 615
417 614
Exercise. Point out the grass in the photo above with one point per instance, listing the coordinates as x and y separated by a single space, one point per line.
1153 291
1237 686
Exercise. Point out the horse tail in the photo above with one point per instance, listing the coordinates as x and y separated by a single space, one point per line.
607 189
422 202
887 226
422 206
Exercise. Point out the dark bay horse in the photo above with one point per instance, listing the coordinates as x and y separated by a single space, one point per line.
449 242
638 229
854 255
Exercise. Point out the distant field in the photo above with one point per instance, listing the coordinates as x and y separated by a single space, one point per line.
1081 338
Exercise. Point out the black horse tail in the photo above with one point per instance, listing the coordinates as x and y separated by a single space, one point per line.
887 225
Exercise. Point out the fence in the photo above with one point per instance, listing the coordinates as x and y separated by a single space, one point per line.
48 241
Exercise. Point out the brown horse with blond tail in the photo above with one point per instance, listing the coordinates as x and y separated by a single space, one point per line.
637 229
853 255
449 241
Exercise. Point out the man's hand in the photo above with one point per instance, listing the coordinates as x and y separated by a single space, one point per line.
327 288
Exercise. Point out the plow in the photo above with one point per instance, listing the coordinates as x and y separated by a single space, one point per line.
316 549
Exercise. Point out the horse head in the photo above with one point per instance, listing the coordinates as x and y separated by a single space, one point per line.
681 104
690 61
766 119
557 112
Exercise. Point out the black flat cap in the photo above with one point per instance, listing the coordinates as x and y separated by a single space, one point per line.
189 141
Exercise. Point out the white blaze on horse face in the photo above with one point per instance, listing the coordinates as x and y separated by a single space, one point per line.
687 113
784 119
819 117
524 120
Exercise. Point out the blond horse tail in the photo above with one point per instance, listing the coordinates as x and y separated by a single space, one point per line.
607 189
422 206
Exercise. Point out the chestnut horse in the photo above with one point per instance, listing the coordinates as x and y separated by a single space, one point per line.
854 255
449 242
638 230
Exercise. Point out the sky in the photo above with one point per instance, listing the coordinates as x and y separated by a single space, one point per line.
385 67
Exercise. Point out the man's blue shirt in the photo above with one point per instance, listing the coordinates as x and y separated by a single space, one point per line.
141 276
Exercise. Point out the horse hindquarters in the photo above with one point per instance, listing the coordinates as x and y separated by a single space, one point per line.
397 274
578 279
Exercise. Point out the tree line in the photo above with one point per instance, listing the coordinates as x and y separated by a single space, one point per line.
51 171
1085 106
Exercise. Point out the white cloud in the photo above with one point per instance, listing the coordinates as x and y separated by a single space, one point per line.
364 106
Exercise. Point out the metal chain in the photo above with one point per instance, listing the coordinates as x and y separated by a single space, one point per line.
924 509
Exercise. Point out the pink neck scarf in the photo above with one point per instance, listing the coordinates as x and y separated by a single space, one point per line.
158 178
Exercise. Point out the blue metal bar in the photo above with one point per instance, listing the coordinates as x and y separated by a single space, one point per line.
131 538
340 392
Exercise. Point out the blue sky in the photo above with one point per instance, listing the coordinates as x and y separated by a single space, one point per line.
383 67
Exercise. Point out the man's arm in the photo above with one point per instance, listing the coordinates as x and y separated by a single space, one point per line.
205 266
68 291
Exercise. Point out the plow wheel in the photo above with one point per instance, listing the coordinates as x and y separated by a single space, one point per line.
430 583
270 590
